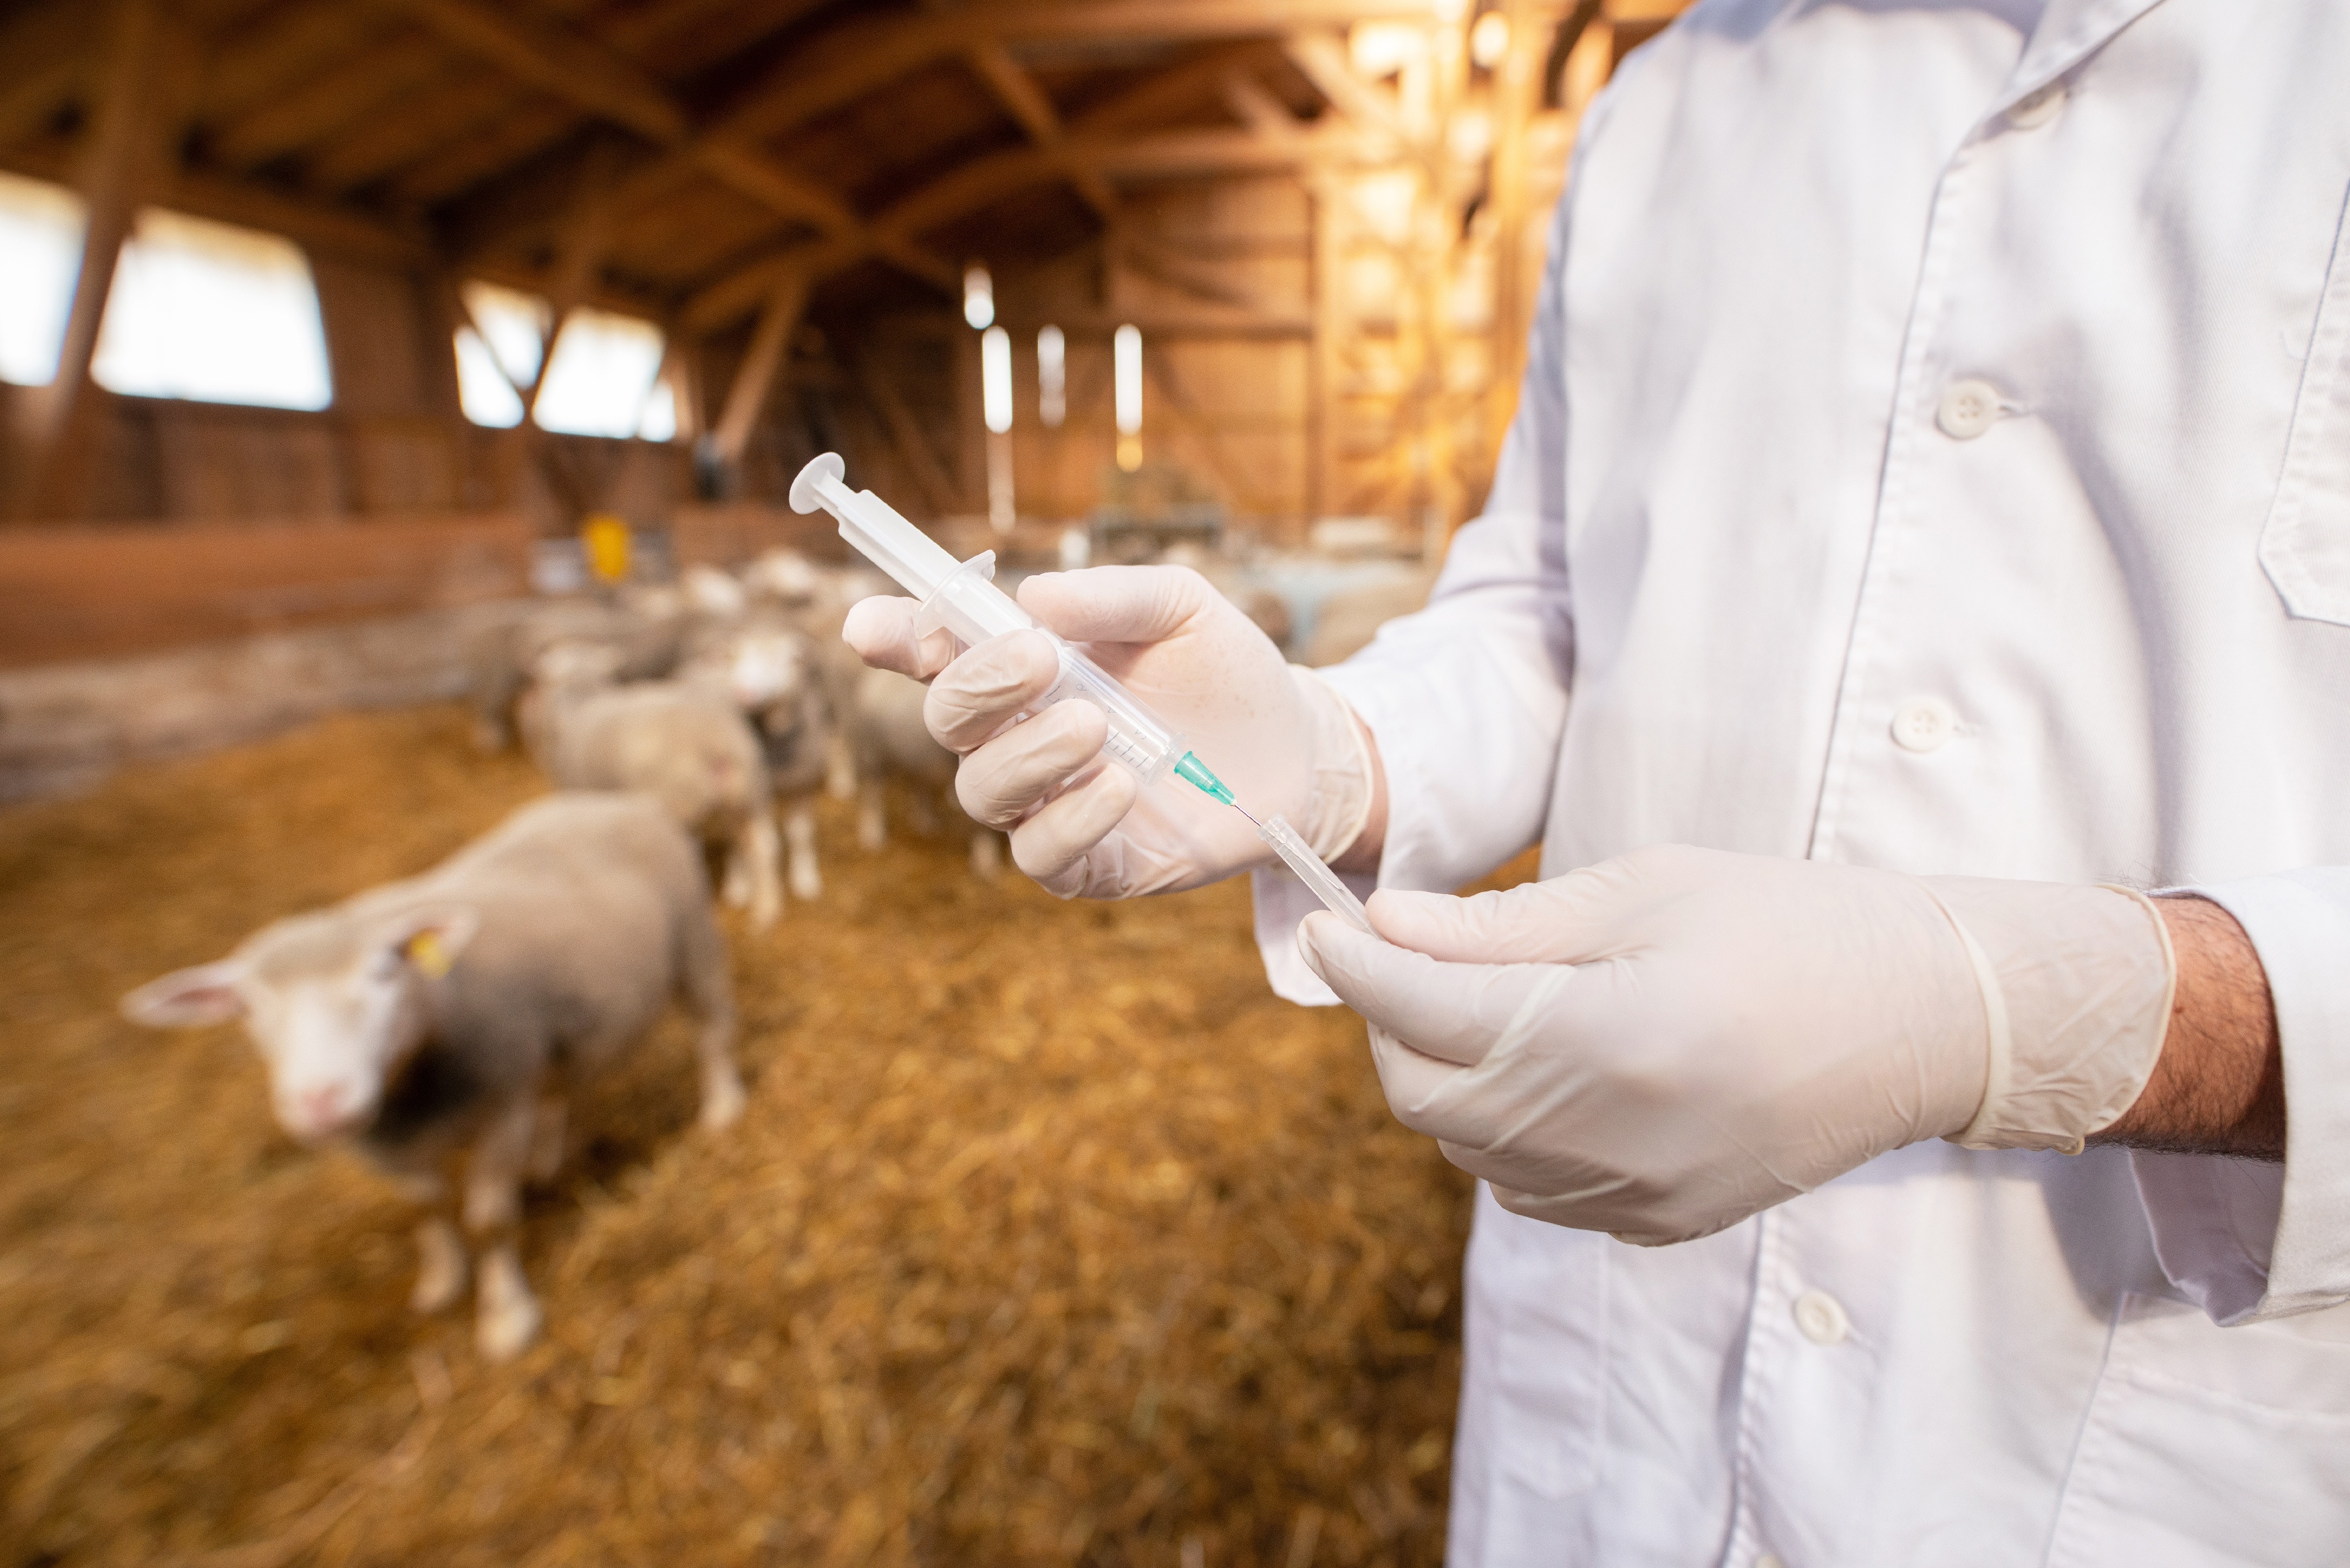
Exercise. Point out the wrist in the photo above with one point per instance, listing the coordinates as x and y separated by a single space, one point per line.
2076 985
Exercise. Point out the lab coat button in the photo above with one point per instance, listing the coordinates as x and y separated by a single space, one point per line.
1923 724
1821 1317
1968 409
2037 107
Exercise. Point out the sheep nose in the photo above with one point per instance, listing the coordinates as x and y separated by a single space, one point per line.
323 1109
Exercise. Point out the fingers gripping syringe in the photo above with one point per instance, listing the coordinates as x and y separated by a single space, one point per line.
962 597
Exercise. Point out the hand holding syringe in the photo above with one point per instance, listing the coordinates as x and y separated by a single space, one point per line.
963 598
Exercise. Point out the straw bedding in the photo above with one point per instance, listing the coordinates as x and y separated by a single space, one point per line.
1050 1235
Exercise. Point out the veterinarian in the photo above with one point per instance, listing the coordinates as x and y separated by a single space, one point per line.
1925 534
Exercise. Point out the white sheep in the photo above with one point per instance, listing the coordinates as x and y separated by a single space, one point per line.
890 740
768 670
642 630
683 744
447 1015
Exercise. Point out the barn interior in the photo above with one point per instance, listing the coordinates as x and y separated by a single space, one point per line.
338 341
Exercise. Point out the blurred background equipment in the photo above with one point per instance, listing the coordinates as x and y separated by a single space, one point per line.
386 354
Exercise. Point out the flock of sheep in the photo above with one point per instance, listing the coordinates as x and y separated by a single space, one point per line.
672 721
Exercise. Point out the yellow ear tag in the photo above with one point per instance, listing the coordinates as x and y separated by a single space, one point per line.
425 951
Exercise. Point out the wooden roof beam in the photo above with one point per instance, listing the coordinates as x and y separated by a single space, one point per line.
572 67
1017 92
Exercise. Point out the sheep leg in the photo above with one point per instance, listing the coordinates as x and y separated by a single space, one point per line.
872 815
986 853
759 852
922 812
709 991
546 1139
507 1315
799 837
440 1249
839 768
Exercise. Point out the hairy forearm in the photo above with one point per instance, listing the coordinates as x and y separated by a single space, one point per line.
2219 1086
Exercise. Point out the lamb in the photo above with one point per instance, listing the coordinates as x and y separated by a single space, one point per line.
643 633
768 669
684 744
892 741
448 1015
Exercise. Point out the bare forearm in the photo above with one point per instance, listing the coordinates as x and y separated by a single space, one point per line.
2218 1087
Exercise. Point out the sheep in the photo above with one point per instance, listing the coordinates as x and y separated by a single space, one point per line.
644 631
817 601
687 746
892 741
768 669
448 1015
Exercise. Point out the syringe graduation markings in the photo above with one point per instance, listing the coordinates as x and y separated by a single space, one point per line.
961 596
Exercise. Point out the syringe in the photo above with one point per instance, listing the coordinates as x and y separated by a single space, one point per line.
961 596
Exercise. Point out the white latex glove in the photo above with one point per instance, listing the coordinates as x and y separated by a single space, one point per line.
1285 742
1661 1045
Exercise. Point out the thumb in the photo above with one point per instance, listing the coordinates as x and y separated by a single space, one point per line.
1453 1011
1573 918
1117 603
881 631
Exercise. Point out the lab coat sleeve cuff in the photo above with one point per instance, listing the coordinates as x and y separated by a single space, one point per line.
2246 1240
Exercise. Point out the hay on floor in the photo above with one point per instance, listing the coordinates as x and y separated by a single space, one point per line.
1050 1235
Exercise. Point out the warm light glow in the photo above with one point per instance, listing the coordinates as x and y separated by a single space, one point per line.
1129 452
995 378
213 312
1051 377
1379 49
1489 40
40 258
978 297
601 376
1125 358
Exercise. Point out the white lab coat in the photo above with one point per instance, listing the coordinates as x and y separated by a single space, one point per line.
1753 577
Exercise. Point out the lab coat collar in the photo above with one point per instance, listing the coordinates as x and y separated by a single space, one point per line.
2069 32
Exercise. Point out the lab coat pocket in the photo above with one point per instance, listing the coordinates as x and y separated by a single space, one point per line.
2306 543
2210 1447
1550 1287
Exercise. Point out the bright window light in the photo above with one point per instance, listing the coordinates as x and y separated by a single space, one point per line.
1051 377
40 259
1126 348
659 422
483 391
978 297
512 326
601 376
996 377
1489 40
208 311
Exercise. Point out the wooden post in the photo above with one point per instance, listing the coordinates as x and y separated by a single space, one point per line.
1324 364
129 151
1518 87
971 423
771 343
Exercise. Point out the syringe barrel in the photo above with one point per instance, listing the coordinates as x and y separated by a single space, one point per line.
970 605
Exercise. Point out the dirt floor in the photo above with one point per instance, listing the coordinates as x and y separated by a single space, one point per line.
1050 1235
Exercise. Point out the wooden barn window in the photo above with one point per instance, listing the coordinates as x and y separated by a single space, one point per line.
41 255
214 313
603 378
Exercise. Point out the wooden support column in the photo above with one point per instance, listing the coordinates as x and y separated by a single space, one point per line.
1518 87
141 101
771 343
1323 365
971 423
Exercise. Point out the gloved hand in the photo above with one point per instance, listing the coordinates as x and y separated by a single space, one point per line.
1284 741
1661 1045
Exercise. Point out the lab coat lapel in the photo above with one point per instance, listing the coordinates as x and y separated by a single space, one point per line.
2069 32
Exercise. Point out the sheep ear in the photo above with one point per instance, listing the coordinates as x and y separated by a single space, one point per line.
430 939
190 997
